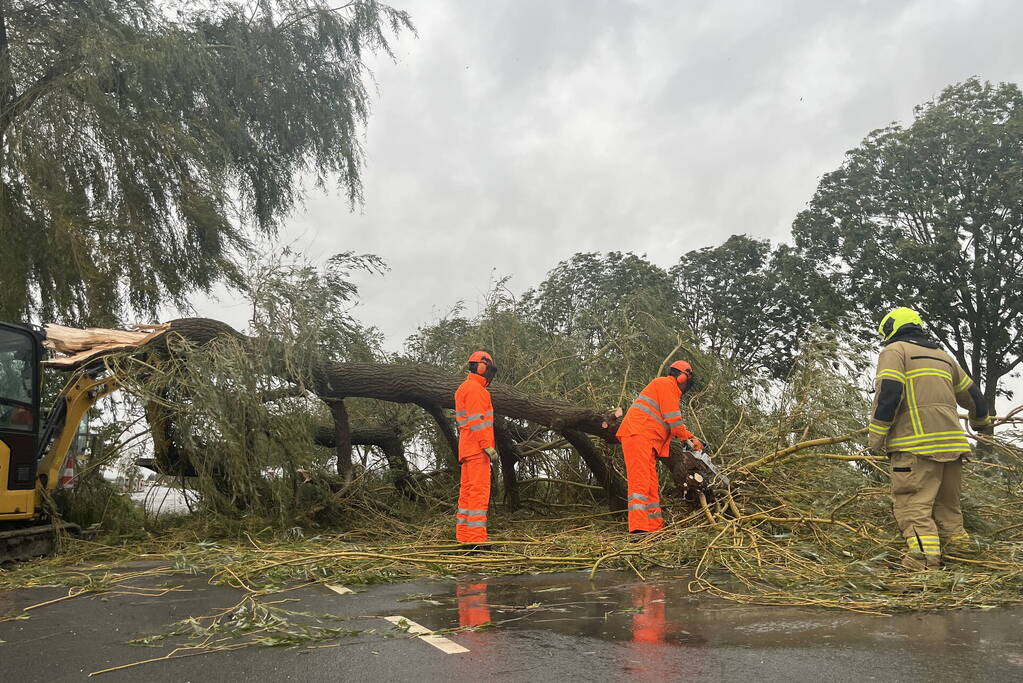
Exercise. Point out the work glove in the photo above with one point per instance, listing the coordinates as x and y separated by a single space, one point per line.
981 422
695 444
492 454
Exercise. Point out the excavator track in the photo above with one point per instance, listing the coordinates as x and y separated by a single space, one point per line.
24 543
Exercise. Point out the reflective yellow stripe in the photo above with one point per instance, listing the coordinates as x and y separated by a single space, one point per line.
931 372
892 374
930 436
961 448
964 384
914 411
878 429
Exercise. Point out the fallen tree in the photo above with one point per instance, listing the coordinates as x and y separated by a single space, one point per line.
430 388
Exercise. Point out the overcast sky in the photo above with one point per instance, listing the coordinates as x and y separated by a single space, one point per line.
512 134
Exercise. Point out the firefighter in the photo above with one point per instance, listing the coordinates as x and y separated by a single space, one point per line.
646 432
474 414
914 420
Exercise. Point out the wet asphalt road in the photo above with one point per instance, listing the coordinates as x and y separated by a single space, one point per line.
558 627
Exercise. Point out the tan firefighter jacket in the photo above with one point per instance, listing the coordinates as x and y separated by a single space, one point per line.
917 389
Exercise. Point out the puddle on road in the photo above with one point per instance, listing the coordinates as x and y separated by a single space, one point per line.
615 607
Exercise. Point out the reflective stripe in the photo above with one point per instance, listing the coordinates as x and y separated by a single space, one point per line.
472 513
944 374
468 523
460 412
914 411
654 515
640 496
892 374
640 406
952 448
964 384
637 506
669 416
640 506
928 545
649 401
477 416
932 436
481 425
877 429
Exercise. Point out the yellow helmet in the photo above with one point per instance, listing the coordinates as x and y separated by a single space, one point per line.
891 323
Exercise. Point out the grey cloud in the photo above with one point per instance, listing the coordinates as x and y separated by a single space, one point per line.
529 130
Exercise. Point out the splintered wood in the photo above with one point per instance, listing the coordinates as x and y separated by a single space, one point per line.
80 346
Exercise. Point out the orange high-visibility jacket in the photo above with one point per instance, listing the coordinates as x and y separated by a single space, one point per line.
474 414
656 415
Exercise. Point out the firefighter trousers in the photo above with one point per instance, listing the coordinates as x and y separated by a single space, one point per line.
473 500
925 500
641 476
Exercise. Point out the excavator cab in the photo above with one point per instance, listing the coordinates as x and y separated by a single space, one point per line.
21 354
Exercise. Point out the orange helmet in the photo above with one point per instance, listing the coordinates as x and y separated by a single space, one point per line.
682 372
482 363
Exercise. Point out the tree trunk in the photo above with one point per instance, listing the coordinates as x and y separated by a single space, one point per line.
384 437
509 453
605 475
342 439
447 430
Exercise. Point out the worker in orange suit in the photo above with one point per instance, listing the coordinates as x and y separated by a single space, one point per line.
646 432
474 414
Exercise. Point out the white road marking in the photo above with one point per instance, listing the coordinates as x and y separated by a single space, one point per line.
340 590
426 635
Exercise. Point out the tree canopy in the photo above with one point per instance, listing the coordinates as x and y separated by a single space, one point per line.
145 142
931 216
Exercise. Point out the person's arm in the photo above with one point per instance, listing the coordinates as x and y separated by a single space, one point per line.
889 391
672 414
968 396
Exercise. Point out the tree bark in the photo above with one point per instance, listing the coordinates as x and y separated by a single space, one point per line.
342 439
605 475
509 453
447 430
384 437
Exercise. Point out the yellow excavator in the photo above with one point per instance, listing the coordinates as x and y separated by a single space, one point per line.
34 445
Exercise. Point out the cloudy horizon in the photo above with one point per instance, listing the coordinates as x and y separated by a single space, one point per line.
511 135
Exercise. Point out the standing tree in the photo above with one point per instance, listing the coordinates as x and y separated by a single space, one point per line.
591 296
143 142
747 304
931 216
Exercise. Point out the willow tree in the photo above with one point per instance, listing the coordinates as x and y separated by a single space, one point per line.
145 142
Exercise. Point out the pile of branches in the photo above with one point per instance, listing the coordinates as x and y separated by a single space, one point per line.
268 432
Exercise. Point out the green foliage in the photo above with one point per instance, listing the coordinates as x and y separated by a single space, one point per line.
591 295
748 305
143 143
931 216
308 309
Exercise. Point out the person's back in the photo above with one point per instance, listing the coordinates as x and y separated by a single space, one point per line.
927 420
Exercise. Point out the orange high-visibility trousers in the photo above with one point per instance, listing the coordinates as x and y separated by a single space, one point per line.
473 609
473 500
641 476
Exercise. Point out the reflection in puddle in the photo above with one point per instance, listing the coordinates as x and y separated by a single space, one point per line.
629 612
659 619
473 609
